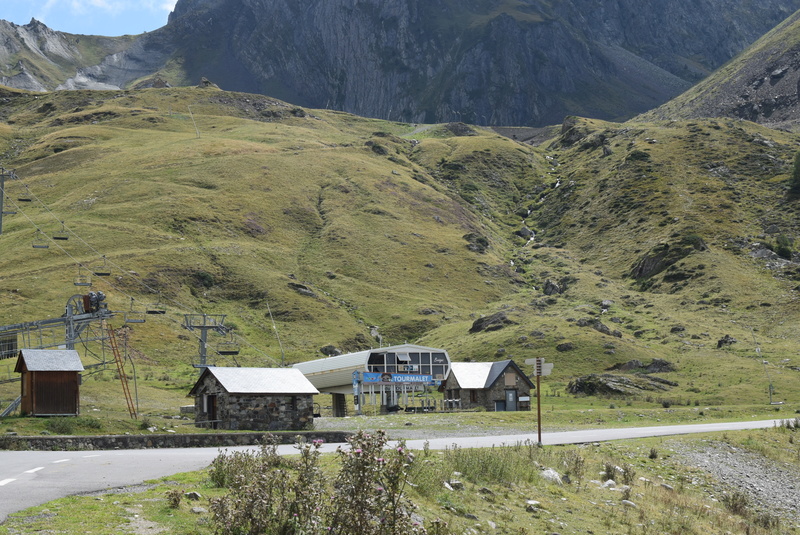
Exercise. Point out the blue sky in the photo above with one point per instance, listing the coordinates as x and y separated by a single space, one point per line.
90 17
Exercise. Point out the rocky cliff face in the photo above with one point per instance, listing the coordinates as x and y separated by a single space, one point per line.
485 62
761 85
36 58
526 62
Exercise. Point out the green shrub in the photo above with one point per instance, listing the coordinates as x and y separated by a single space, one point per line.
736 502
270 494
794 181
61 426
174 498
783 246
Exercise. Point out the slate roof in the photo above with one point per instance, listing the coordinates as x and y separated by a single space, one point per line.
259 380
478 375
49 360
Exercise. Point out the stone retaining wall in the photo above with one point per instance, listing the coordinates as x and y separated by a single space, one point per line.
136 442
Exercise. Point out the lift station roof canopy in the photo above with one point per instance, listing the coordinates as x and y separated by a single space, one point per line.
335 374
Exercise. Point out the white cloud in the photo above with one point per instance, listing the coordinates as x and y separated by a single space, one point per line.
115 6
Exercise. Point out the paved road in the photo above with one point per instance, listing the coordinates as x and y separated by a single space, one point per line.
29 478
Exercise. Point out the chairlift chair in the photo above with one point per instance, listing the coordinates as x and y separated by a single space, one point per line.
61 235
8 212
228 348
25 197
156 308
134 316
40 241
102 270
82 279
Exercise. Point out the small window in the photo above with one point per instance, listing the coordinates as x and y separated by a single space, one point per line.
403 357
473 396
511 378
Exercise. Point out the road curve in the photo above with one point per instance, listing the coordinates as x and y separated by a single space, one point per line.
30 478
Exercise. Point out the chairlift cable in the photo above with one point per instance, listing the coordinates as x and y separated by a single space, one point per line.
121 269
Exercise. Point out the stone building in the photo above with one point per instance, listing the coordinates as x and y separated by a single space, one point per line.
259 399
495 386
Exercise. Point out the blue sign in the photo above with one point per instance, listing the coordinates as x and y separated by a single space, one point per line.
390 378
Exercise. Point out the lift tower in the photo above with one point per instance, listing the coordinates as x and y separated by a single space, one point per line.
205 323
75 324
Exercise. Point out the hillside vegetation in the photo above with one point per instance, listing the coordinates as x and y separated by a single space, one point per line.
609 243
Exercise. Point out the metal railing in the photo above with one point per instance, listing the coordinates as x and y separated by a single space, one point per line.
11 408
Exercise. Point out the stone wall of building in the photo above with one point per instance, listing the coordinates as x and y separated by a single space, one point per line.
266 412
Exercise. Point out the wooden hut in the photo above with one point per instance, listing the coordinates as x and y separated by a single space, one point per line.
50 382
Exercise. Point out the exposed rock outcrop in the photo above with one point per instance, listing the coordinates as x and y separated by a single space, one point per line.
491 323
607 383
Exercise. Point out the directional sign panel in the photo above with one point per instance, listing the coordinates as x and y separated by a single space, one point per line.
540 367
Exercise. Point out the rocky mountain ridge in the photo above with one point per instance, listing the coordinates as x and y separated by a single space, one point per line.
523 62
761 85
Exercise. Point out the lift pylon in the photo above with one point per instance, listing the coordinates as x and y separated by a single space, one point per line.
204 323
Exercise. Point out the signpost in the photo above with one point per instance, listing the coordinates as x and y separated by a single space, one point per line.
540 367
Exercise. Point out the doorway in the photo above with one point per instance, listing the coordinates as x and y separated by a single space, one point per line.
511 400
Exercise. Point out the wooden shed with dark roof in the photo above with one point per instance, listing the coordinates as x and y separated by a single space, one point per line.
50 382
495 386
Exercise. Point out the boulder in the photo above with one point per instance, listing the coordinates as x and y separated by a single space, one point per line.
330 351
634 364
660 366
552 288
525 232
726 341
491 323
552 476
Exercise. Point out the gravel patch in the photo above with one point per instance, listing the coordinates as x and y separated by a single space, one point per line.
770 486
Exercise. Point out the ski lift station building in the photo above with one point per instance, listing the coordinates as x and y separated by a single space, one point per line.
387 371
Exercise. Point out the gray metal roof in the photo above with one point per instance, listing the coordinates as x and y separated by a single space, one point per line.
471 375
49 360
262 380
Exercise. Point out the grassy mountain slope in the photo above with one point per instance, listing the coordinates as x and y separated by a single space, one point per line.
243 205
235 216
